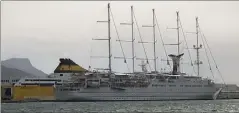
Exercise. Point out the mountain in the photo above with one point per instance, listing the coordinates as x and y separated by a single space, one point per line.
23 64
10 73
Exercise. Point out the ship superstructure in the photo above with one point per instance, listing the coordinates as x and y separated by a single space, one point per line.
139 86
72 82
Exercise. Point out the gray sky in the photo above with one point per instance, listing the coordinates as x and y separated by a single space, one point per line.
47 31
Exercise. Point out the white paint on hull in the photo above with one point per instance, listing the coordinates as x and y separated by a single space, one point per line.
107 93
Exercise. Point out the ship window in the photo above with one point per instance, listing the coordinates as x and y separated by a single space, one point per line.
172 85
61 74
171 81
196 85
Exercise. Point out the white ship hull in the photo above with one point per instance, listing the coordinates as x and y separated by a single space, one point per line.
108 94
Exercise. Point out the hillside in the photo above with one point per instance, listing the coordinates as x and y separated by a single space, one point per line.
10 73
22 64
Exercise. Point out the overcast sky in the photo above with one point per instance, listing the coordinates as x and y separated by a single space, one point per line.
47 31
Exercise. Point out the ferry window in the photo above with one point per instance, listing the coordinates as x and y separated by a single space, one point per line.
181 85
61 74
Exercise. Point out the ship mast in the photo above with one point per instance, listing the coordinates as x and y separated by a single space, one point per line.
131 41
178 30
154 41
197 47
108 39
132 27
176 58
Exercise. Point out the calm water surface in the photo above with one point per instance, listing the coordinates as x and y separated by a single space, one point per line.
124 106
